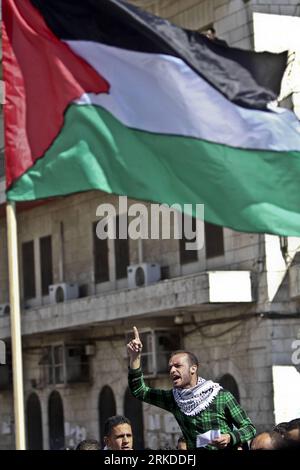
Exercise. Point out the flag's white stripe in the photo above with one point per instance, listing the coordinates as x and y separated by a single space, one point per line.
161 94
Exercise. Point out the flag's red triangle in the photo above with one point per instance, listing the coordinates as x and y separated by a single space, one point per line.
42 77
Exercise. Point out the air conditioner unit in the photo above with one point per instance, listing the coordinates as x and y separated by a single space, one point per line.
143 274
4 309
62 292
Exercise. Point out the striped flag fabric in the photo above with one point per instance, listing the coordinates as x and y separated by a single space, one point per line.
103 95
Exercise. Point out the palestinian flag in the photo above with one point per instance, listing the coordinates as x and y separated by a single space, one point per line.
102 95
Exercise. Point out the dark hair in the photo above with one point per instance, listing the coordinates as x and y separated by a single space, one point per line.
113 421
181 440
278 442
281 428
293 424
88 444
193 361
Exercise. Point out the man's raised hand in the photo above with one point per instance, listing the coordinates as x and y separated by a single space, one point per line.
134 348
135 345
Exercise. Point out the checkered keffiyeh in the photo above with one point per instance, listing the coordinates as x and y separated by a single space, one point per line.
193 400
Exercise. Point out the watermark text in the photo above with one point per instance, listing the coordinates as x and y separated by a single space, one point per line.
159 221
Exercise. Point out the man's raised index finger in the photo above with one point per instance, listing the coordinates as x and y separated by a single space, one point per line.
136 333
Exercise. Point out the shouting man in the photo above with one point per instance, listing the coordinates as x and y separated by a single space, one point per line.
198 405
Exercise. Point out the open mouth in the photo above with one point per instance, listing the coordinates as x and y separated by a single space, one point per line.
175 379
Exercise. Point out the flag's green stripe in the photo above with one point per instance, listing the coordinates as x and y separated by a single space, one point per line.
248 190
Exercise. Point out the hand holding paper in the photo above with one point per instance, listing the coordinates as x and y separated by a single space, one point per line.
222 441
207 437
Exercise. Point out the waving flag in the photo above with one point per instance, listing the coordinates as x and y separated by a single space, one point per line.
102 95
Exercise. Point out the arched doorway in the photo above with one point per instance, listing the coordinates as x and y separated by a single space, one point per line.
133 409
56 422
229 383
34 426
106 408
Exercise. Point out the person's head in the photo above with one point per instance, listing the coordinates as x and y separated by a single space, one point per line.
88 444
211 33
280 428
181 443
118 433
183 368
292 430
261 441
268 441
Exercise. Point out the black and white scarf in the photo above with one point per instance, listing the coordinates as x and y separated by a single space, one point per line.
193 400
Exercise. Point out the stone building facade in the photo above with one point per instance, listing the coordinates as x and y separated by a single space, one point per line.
234 303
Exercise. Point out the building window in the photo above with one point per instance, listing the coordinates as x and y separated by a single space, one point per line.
56 422
53 364
64 364
121 251
101 268
187 256
34 425
6 372
46 264
28 270
77 364
214 240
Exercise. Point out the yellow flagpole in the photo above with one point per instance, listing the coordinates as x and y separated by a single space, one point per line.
14 296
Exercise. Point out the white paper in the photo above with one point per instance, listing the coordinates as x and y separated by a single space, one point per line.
207 437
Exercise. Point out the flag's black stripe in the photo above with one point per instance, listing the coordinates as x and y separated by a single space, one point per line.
247 78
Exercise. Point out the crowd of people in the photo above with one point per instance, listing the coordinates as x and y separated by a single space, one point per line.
119 436
210 418
283 436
